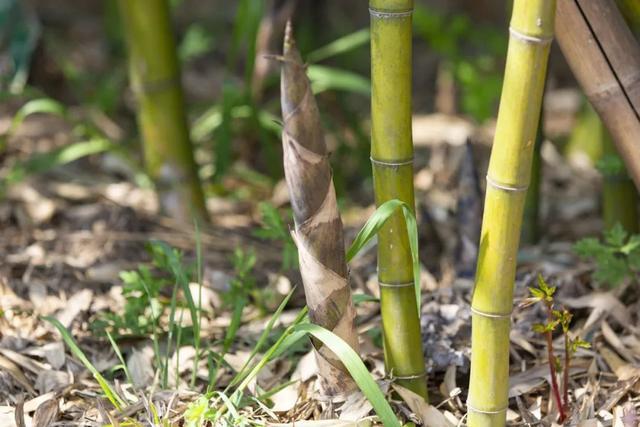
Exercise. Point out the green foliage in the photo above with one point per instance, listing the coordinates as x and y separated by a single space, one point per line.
196 42
241 287
617 256
375 223
471 52
144 303
274 229
611 165
199 412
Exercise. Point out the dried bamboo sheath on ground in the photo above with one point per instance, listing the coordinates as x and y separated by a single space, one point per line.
605 58
318 226
508 177
392 163
155 79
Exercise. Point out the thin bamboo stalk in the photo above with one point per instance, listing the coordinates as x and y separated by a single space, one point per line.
605 58
392 161
154 74
619 196
531 32
318 226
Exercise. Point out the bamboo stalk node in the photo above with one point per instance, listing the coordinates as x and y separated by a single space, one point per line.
491 315
480 411
527 38
506 187
381 14
395 285
392 164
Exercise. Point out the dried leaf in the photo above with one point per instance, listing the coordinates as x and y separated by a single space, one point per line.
46 413
140 365
428 414
15 372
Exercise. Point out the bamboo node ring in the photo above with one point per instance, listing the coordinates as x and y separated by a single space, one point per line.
506 187
528 38
490 315
395 285
380 14
392 164
480 411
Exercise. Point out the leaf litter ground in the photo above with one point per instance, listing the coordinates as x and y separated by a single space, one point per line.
69 233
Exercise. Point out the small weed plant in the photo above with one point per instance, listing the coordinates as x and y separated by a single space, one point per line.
557 318
617 256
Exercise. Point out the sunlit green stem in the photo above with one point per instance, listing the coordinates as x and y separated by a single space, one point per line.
392 161
508 177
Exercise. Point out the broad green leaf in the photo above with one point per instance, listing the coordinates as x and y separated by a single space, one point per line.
357 369
341 45
113 397
375 223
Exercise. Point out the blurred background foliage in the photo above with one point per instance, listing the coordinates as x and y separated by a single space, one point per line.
230 74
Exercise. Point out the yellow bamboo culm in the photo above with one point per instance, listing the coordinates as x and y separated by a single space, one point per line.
531 33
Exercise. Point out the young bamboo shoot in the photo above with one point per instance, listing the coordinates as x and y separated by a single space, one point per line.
318 226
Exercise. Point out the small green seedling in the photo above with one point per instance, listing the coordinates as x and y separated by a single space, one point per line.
561 318
274 229
617 256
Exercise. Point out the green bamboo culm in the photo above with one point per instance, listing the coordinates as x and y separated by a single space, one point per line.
619 194
154 76
392 162
531 33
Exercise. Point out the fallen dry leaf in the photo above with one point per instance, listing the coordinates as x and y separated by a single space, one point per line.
428 414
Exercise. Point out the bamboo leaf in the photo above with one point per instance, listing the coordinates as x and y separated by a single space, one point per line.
42 105
42 162
341 45
357 369
375 223
329 78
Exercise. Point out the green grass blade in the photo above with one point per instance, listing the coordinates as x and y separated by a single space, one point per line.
196 338
113 397
42 105
269 355
116 349
341 45
328 78
356 368
263 338
43 162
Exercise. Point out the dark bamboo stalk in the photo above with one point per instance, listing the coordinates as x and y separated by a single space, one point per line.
318 226
605 58
155 79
